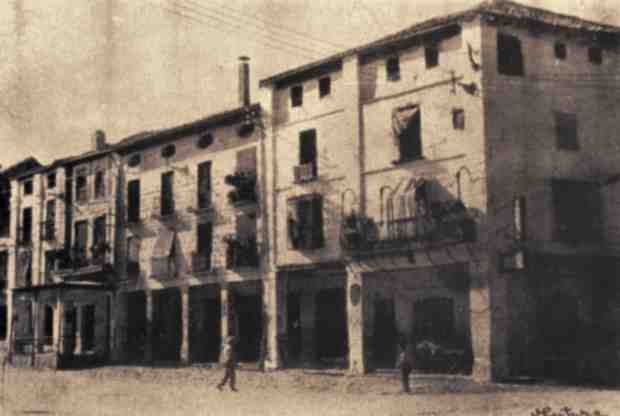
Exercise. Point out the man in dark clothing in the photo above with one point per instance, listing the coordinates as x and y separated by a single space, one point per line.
405 362
229 362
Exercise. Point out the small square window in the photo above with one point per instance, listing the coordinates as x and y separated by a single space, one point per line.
458 119
431 56
560 51
297 96
392 66
595 55
325 86
28 187
509 55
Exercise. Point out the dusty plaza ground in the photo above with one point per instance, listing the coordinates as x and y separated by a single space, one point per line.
191 391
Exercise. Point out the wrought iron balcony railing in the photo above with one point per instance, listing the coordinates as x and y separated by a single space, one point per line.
241 252
78 258
305 173
450 222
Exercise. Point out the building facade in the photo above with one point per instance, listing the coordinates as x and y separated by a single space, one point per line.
452 186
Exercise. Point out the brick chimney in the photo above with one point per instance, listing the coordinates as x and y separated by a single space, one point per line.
244 81
98 140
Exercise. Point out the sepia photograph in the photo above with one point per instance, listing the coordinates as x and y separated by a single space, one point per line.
282 207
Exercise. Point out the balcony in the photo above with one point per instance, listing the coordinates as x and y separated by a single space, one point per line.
305 173
245 189
201 262
48 231
444 224
76 264
241 252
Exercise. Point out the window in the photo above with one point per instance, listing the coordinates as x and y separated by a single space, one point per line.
168 151
81 240
49 229
560 51
4 316
100 184
87 330
50 260
5 209
307 153
407 130
392 67
81 187
595 55
167 193
566 131
458 119
204 185
134 160
26 226
205 141
48 325
99 235
325 86
577 211
4 269
205 244
51 181
305 223
133 201
297 95
509 55
431 56
28 187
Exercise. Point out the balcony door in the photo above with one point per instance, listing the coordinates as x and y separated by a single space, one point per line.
81 238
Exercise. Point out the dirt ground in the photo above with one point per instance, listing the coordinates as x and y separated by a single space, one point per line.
191 391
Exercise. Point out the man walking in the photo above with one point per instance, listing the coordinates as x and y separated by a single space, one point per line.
405 362
229 362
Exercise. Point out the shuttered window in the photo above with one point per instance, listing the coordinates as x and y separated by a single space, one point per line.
204 185
306 223
205 239
133 201
27 226
167 193
509 55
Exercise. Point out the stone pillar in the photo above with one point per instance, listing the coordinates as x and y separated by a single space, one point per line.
58 324
184 325
488 329
224 302
355 320
308 326
275 319
148 348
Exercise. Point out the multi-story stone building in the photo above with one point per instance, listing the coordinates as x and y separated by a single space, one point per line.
193 238
442 184
452 185
65 265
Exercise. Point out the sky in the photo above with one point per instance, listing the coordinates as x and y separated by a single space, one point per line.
69 67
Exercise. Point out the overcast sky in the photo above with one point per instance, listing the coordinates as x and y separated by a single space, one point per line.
70 67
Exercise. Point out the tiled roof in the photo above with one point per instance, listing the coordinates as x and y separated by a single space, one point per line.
491 8
151 137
